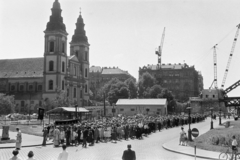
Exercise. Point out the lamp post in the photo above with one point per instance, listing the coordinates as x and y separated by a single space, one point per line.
189 122
76 107
104 105
220 119
211 118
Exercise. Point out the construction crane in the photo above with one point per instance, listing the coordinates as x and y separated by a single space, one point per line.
215 67
160 49
230 57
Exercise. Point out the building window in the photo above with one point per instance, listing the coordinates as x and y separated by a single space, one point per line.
22 103
81 94
39 87
30 87
86 55
63 66
147 109
50 84
74 93
51 64
62 84
121 109
132 109
206 96
51 46
86 88
21 88
63 47
213 96
76 53
86 74
74 70
12 88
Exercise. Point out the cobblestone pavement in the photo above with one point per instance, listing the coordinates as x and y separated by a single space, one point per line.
150 148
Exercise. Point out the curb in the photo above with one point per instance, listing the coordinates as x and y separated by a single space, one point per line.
35 145
188 154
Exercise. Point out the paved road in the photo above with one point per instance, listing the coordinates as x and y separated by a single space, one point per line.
150 148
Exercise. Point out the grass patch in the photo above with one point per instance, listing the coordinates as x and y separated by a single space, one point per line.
218 139
7 141
28 129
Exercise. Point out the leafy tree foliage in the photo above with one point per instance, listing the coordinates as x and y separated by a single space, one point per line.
6 104
132 87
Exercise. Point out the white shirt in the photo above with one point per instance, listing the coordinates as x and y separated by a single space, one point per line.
63 155
234 142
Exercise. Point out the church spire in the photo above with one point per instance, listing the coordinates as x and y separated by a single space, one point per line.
56 21
79 33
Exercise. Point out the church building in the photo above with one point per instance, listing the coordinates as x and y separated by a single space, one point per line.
33 80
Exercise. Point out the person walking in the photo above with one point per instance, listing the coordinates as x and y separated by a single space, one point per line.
64 154
181 139
129 154
234 147
45 135
18 139
15 153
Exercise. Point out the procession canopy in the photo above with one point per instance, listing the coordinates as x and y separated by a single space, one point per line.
67 110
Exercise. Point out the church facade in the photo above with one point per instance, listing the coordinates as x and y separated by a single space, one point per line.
33 80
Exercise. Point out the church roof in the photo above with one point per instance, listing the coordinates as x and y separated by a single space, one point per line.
56 21
21 68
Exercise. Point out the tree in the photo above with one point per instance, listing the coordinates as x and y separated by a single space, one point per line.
155 91
6 104
132 87
146 81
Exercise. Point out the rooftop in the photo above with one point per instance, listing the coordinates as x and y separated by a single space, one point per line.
167 66
25 67
156 101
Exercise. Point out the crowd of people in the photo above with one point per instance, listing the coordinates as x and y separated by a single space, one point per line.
113 129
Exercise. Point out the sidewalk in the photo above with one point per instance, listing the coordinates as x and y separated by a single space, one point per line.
174 146
27 140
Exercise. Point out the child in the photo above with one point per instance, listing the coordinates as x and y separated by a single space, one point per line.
185 139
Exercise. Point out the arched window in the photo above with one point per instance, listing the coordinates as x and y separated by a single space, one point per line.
86 72
63 66
62 84
51 65
63 47
86 88
51 48
76 53
74 93
50 84
86 55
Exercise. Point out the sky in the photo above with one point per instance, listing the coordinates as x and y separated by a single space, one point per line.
126 33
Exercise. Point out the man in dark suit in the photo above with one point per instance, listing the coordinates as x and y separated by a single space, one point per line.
129 154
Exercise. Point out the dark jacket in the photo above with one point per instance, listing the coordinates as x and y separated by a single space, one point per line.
129 155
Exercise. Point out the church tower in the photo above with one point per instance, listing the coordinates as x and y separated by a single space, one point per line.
55 53
79 47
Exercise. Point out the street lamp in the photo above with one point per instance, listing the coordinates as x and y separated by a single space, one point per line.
189 122
211 118
220 119
76 107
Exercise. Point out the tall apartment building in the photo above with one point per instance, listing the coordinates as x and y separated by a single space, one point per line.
183 80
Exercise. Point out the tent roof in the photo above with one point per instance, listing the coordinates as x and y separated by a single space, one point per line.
67 109
156 101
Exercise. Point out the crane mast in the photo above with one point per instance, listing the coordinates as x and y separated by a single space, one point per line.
160 49
215 66
230 57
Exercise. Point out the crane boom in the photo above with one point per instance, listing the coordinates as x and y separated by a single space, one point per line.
230 57
160 49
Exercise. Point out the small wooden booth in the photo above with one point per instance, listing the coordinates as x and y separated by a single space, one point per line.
64 113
